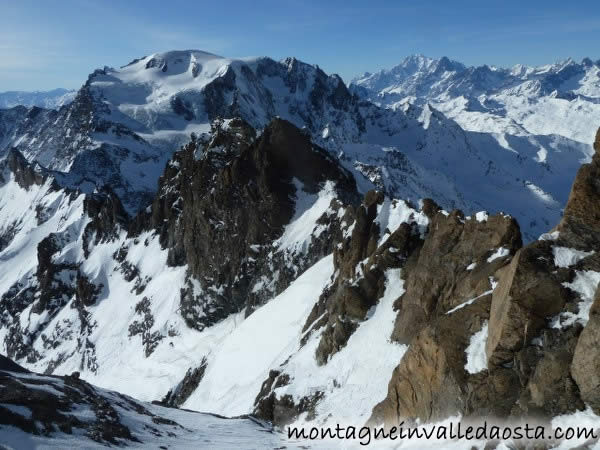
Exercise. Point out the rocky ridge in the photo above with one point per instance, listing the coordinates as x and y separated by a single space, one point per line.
493 328
536 329
238 192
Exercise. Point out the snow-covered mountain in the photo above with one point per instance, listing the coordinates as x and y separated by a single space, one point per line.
251 268
125 123
53 99
510 104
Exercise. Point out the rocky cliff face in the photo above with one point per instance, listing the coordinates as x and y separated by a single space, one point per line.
492 328
457 261
236 220
448 262
221 205
534 326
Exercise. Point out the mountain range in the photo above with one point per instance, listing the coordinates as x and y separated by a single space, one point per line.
251 236
124 124
555 99
53 99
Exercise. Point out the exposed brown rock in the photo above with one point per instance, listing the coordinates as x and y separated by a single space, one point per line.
528 293
281 411
550 390
491 393
580 224
585 367
361 278
334 338
364 236
438 278
551 375
430 383
430 208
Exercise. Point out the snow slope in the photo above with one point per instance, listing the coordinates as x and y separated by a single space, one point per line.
346 381
100 418
132 336
263 341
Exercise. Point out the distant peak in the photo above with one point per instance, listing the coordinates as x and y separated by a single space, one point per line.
587 62
448 64
291 62
418 59
421 62
294 63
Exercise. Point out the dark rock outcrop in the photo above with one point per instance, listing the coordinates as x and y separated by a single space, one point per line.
186 387
237 193
55 280
24 172
107 218
86 292
43 405
8 365
283 410
142 326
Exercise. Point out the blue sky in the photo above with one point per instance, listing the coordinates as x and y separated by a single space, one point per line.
46 44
